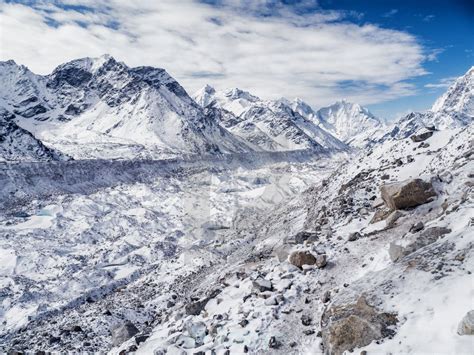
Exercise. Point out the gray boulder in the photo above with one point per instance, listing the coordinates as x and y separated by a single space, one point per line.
123 332
407 194
300 258
346 327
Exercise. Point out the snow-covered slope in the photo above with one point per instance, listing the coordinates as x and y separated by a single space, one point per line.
460 96
267 125
102 108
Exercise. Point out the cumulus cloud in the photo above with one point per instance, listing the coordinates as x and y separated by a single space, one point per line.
319 56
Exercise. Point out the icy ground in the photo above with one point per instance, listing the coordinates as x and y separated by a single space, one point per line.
60 251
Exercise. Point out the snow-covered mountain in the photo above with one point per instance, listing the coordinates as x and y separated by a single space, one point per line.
459 98
99 108
349 122
267 125
454 109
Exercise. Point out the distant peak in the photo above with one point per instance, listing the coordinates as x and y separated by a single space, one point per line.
208 89
236 93
8 62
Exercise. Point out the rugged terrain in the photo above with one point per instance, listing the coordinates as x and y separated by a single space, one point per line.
271 230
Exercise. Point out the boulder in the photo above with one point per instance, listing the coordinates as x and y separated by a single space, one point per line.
421 137
300 258
354 236
346 327
123 332
407 194
466 326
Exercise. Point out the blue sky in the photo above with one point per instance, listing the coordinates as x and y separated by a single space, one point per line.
391 56
446 26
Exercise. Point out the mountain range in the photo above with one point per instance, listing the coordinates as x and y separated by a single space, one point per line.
101 108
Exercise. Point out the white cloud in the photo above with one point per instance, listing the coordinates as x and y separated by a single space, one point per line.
442 83
316 57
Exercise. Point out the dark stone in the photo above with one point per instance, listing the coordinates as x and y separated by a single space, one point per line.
54 340
354 236
141 338
273 343
421 137
306 320
417 227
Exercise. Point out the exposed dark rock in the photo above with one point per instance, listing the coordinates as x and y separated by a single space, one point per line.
421 137
354 236
417 227
141 338
306 320
273 343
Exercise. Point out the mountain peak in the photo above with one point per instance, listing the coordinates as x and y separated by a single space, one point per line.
236 94
459 97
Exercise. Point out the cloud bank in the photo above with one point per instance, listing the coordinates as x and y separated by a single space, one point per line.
269 49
